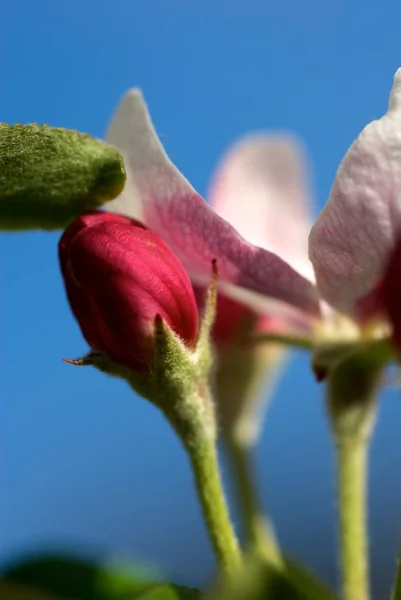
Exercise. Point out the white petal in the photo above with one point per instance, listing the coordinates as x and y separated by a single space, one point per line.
354 234
150 172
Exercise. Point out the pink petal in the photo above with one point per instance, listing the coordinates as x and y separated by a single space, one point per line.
158 194
354 234
261 188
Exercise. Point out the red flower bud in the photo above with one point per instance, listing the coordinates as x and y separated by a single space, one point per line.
119 276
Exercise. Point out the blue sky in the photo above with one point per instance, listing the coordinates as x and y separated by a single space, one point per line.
84 463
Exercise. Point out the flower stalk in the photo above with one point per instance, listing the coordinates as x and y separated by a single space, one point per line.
244 376
351 458
352 403
259 533
203 457
187 404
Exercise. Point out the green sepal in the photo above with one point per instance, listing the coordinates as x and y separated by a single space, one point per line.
49 176
144 384
327 357
181 382
352 388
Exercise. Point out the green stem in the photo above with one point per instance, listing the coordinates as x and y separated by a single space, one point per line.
214 507
258 531
352 406
351 472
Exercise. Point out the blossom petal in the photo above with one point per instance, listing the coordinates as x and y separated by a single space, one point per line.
261 188
162 198
350 243
151 176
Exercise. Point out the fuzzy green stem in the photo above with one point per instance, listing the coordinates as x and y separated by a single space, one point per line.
352 406
258 531
182 392
214 506
194 421
351 473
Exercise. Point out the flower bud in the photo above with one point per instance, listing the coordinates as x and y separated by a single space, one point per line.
119 276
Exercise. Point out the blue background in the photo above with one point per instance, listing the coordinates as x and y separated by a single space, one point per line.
84 463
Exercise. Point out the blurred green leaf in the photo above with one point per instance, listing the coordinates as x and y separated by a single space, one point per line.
10 591
49 176
167 591
69 577
78 579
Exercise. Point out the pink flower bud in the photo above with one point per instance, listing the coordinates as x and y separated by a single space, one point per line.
119 276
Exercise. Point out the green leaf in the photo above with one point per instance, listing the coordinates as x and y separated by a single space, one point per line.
69 577
49 176
9 591
167 591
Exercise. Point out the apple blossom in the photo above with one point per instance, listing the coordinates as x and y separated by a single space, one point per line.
349 245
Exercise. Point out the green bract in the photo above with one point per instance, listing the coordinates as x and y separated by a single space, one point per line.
49 176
